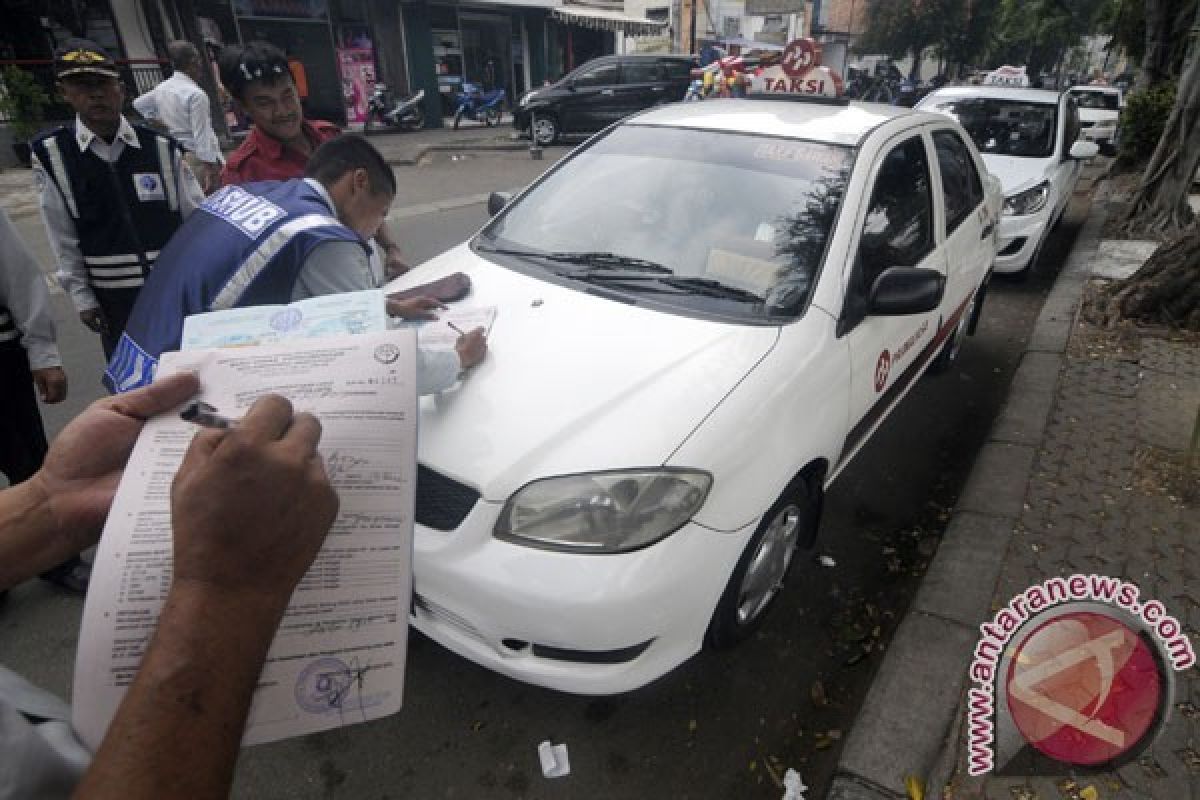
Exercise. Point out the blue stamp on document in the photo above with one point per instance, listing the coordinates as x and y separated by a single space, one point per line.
286 320
324 685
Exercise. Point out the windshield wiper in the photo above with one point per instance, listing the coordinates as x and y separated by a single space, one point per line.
605 260
711 288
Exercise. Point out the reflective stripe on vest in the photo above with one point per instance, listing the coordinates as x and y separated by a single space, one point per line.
167 164
233 289
130 366
59 170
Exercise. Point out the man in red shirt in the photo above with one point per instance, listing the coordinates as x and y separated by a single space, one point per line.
281 141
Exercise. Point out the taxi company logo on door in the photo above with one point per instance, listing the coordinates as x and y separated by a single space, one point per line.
882 367
1077 669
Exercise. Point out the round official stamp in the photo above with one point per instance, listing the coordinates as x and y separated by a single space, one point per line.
387 353
286 320
322 685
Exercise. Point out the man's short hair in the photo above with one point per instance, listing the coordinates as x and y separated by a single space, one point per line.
257 61
182 54
336 157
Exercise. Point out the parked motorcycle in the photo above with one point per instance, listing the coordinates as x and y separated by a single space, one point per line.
382 114
474 103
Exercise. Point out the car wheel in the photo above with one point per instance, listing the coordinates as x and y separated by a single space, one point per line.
545 131
953 346
764 566
418 119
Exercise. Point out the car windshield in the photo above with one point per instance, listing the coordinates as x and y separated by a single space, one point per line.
702 221
1004 127
1106 101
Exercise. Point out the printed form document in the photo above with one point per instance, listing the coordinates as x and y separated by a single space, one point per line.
338 657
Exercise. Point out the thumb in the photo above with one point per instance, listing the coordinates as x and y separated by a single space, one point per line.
160 396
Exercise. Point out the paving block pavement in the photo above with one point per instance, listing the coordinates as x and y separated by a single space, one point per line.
1064 485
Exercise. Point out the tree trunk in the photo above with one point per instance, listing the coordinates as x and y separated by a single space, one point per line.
1165 291
1160 203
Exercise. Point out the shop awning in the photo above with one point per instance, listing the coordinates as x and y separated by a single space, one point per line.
601 20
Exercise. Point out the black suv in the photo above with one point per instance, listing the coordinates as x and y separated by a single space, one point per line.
602 91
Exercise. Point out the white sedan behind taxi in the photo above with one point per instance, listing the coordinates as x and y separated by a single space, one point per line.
1028 139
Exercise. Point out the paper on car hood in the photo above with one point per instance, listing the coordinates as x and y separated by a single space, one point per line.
1017 173
573 382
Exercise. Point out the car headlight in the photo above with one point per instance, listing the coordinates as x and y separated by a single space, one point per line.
525 98
603 512
1029 201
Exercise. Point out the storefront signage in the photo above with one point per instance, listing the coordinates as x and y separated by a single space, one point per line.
763 7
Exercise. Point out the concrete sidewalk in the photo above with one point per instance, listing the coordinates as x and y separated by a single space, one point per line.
1061 487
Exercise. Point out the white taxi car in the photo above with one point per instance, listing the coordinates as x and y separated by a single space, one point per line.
702 314
1099 114
1028 139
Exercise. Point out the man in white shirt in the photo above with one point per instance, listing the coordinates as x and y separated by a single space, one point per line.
182 108
30 368
111 193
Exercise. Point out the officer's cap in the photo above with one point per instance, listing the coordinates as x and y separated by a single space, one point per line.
80 56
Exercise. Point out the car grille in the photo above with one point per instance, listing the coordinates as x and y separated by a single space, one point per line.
442 503
446 616
1087 124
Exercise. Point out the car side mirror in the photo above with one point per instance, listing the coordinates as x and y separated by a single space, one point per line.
1084 150
906 290
497 201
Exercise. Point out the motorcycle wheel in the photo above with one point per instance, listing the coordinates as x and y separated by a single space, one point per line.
458 115
492 117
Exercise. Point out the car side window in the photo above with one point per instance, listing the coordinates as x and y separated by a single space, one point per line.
898 230
962 188
639 72
602 75
675 70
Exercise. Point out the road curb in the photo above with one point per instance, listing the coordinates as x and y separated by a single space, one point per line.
423 150
910 720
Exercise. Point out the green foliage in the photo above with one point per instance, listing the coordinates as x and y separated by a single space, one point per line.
1142 122
23 102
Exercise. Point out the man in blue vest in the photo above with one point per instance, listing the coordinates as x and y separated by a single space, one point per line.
111 193
277 242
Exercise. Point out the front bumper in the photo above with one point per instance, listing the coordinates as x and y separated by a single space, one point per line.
587 624
1020 239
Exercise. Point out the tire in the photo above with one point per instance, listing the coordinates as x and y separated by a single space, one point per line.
953 346
458 115
367 129
418 119
544 131
492 117
765 564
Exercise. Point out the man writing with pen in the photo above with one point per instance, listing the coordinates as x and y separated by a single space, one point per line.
277 242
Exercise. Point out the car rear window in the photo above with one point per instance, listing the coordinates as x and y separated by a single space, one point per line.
749 212
1003 126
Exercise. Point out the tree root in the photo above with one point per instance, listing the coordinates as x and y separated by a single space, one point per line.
1165 291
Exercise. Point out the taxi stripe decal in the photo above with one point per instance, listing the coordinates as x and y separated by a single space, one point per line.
893 392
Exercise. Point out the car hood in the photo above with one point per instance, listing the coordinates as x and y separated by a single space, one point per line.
572 381
1017 173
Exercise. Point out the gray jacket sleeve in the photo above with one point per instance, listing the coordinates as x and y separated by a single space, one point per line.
23 292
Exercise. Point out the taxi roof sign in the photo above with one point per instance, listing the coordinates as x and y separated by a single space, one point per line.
1007 76
797 74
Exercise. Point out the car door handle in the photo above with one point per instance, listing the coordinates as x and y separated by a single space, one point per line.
987 230
606 92
658 88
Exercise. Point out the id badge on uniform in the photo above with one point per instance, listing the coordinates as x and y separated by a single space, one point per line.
149 186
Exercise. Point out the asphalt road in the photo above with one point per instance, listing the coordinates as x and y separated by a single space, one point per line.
724 725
